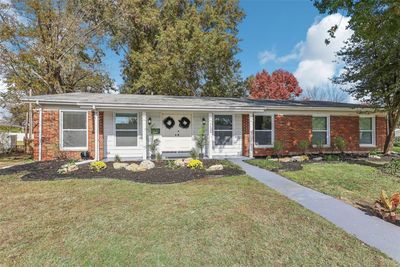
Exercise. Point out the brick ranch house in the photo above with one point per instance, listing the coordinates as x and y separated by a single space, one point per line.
110 125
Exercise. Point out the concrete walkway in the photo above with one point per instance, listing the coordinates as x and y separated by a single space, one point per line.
371 230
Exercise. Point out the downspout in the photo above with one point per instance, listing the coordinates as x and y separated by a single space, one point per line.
40 132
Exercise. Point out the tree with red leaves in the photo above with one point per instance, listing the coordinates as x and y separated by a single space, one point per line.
280 84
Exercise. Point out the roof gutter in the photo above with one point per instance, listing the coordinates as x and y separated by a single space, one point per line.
136 106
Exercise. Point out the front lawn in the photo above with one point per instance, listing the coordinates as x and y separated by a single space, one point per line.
265 163
213 222
351 182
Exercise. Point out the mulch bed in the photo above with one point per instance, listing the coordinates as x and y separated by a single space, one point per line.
47 171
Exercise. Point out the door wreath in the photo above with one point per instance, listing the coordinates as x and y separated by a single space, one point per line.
169 122
184 123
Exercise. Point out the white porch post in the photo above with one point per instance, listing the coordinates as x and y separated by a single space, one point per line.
96 136
210 135
40 133
144 134
251 135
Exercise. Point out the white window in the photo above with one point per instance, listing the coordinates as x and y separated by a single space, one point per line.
367 131
223 130
126 129
74 133
263 130
320 131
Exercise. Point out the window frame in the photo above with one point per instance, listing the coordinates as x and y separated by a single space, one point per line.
328 129
373 130
61 129
272 129
233 128
124 130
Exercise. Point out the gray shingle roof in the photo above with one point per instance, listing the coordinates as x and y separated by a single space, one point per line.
182 101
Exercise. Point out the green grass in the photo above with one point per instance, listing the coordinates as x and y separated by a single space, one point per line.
356 183
11 160
396 149
264 163
208 222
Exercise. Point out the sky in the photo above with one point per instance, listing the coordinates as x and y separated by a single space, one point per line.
281 34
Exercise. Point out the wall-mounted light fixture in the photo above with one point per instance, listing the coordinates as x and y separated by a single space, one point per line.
149 121
203 121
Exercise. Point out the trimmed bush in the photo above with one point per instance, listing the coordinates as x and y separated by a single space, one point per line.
97 166
195 164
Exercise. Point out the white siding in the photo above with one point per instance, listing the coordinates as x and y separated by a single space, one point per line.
236 148
110 149
156 117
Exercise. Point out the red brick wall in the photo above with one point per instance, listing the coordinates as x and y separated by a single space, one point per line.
51 136
290 129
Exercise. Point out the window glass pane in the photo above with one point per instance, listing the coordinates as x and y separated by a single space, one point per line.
319 123
126 138
262 138
74 139
223 138
366 138
365 123
318 137
223 122
263 123
74 120
126 121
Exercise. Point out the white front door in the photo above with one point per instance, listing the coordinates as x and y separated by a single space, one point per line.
176 132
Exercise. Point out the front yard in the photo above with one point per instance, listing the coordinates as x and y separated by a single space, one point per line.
351 182
357 181
213 222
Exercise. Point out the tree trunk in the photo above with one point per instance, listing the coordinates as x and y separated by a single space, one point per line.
393 119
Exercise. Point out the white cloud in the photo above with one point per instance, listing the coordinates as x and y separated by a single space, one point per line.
318 61
266 56
314 73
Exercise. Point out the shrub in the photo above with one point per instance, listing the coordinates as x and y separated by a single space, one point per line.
194 154
195 164
153 146
396 141
303 145
117 158
319 145
278 147
201 140
158 156
339 143
171 164
374 152
393 167
386 206
97 166
331 157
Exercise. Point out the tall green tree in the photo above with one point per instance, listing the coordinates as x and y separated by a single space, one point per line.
49 47
372 55
176 47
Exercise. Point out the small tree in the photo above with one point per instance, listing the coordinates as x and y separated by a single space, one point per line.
304 145
154 143
278 148
201 141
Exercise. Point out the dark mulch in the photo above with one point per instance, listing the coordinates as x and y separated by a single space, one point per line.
47 170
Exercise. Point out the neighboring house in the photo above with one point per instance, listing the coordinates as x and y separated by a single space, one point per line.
108 125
